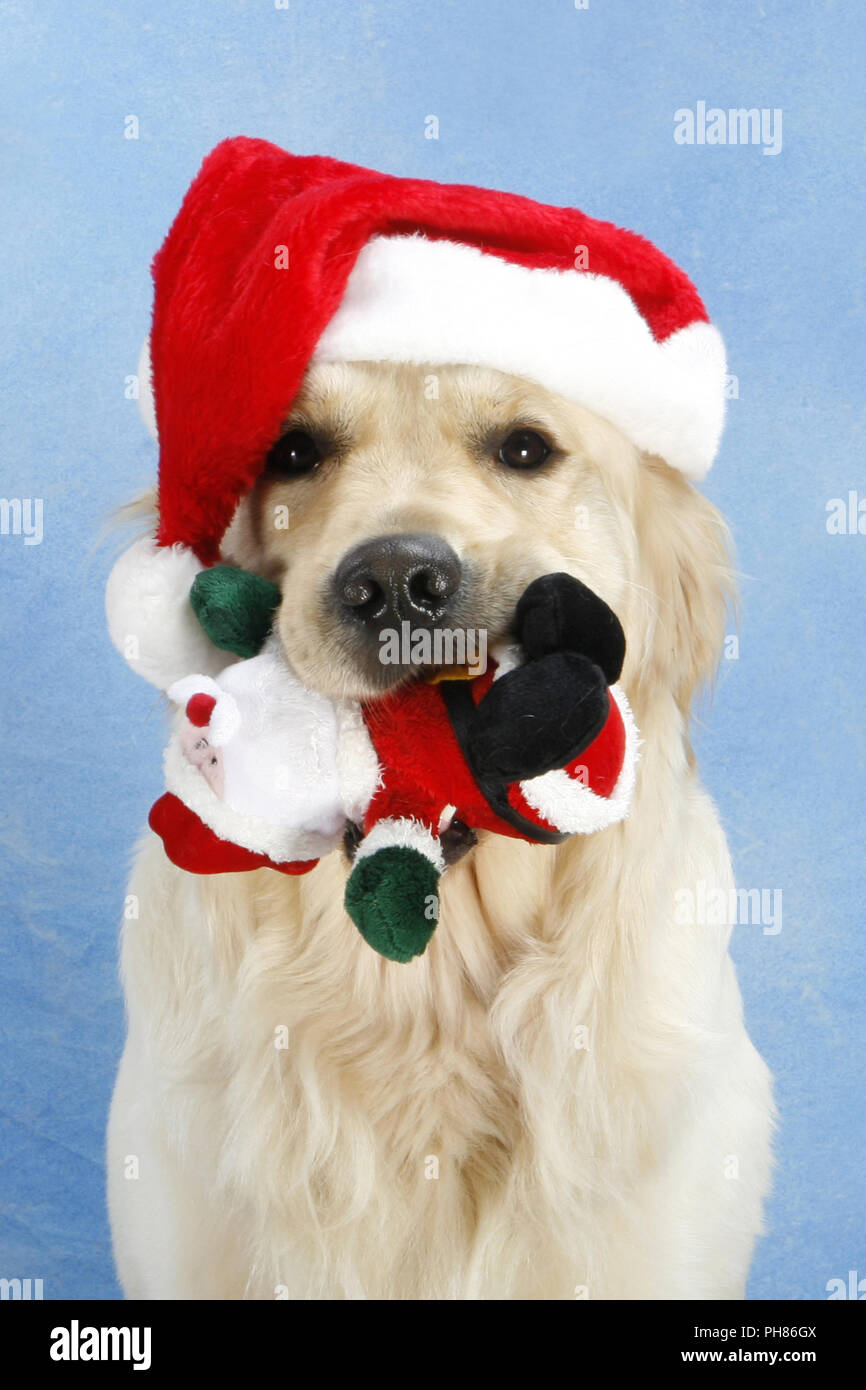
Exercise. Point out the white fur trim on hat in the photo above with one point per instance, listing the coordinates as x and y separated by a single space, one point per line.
404 833
150 618
146 402
576 809
410 299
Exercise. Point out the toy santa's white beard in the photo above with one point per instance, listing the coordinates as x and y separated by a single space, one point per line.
263 773
282 762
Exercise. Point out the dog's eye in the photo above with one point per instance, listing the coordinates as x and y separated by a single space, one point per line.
524 449
294 453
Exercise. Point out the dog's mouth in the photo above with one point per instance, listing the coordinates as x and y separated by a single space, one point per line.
400 655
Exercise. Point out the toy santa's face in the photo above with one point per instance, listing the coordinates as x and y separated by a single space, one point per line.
199 751
404 509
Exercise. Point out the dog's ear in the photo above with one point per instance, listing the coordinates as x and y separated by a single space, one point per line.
685 553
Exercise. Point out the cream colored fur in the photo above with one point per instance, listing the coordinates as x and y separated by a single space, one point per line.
559 1099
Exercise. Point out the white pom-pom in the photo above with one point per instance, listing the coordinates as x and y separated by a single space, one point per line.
150 618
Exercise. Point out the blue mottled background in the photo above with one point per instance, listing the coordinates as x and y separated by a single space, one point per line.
567 105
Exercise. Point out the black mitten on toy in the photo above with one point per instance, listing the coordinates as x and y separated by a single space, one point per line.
544 714
559 613
538 717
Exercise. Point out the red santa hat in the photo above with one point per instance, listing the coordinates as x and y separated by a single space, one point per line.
276 260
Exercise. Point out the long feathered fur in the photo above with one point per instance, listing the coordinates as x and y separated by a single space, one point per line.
558 1100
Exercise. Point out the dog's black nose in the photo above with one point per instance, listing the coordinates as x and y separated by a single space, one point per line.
394 579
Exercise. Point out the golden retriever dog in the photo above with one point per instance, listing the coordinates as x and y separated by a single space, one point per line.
559 1099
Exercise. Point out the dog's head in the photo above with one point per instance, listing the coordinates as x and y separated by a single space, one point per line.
432 496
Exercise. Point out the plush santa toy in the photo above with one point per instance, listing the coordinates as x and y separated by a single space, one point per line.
262 772
275 261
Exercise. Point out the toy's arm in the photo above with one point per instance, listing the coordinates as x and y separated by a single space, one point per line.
538 717
543 715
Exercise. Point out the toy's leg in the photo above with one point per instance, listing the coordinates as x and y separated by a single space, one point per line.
392 892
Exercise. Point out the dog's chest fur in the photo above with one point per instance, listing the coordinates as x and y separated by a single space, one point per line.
506 1117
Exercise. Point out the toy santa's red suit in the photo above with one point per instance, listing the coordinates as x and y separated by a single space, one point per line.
276 261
